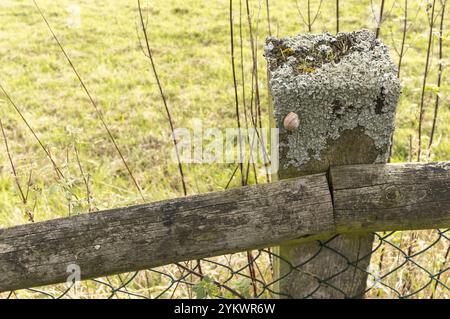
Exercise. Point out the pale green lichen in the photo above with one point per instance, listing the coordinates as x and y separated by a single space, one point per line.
353 84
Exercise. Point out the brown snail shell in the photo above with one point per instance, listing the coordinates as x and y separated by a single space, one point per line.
291 122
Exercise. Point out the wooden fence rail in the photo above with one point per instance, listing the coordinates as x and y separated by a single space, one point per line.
352 199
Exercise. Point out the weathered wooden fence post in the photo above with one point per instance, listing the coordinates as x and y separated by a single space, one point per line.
334 101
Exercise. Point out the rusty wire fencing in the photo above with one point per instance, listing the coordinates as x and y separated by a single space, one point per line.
404 264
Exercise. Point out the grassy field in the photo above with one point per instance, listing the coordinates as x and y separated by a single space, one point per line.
191 48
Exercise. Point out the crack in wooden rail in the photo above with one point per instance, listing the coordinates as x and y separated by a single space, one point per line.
352 199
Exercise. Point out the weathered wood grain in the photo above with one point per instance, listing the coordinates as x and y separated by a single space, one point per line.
327 262
366 197
139 237
391 197
346 112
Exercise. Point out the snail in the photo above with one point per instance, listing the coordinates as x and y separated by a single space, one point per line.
291 121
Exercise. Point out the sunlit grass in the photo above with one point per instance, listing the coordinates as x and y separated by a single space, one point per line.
190 41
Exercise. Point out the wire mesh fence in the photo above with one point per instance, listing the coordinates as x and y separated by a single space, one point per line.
413 264
404 264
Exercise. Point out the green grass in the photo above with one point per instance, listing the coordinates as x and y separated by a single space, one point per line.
190 41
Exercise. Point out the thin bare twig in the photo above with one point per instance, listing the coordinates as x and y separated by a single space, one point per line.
8 152
382 15
85 179
29 213
58 172
256 118
94 104
311 20
231 177
163 97
439 79
337 16
407 25
244 98
255 84
149 55
424 83
236 95
402 48
268 17
380 19
440 272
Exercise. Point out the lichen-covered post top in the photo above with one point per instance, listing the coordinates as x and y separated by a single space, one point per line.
334 84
